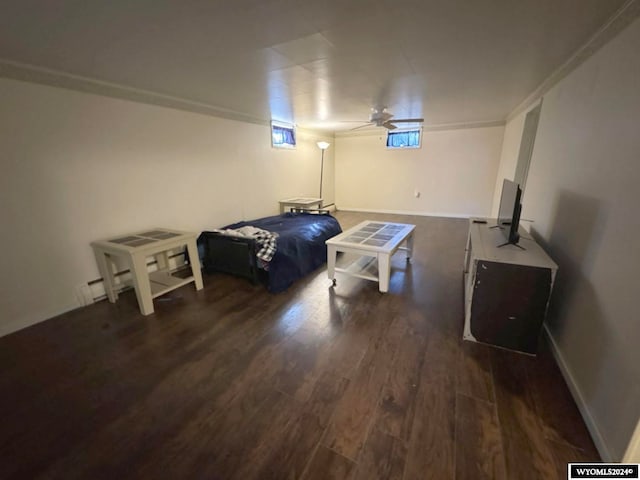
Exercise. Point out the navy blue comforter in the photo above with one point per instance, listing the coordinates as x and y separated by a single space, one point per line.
300 245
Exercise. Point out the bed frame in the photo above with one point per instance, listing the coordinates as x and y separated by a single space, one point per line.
227 254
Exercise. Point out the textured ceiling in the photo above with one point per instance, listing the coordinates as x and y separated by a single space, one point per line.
313 63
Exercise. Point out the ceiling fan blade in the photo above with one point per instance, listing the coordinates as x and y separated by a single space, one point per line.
408 120
380 116
361 126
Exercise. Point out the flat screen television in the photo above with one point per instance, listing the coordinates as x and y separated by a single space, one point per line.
509 212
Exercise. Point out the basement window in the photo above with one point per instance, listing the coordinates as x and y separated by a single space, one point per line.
404 139
283 135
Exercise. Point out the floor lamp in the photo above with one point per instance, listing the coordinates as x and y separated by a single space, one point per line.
322 146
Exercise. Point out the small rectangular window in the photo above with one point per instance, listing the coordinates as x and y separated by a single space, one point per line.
283 135
404 139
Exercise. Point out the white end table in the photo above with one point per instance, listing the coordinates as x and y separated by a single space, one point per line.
135 248
368 239
299 202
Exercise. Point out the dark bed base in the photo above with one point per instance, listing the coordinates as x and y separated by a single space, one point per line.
236 256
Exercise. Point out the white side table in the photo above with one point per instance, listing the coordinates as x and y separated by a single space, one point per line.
135 248
299 202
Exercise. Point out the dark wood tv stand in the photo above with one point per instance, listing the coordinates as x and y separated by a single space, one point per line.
506 290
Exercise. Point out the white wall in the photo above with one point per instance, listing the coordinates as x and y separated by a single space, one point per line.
508 158
582 193
454 171
78 167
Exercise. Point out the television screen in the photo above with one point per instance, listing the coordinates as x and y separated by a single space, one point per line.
509 210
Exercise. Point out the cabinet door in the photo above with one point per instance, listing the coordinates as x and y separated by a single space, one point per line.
509 304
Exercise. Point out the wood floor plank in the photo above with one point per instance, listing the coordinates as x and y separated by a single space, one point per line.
218 431
254 443
474 371
232 408
514 396
431 448
327 393
338 351
432 445
527 453
560 418
328 465
289 454
441 358
383 457
293 446
155 420
479 453
564 454
528 460
354 414
396 410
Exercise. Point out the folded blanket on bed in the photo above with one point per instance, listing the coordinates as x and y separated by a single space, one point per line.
267 242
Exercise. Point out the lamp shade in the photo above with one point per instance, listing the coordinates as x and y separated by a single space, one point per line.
323 145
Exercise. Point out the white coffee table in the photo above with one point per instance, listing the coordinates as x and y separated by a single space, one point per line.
135 248
370 240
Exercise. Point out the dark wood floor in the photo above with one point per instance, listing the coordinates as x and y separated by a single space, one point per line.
315 383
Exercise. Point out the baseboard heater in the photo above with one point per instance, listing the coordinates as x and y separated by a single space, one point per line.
124 272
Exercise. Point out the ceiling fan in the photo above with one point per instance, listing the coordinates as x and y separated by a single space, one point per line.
382 118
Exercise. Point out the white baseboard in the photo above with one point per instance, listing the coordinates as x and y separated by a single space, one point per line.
632 455
331 208
592 426
410 212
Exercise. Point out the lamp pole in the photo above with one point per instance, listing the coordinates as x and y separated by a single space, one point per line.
321 171
322 146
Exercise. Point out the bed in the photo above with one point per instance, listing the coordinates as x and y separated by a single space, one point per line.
300 249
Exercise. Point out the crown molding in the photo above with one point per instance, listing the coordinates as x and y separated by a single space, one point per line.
54 78
625 15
